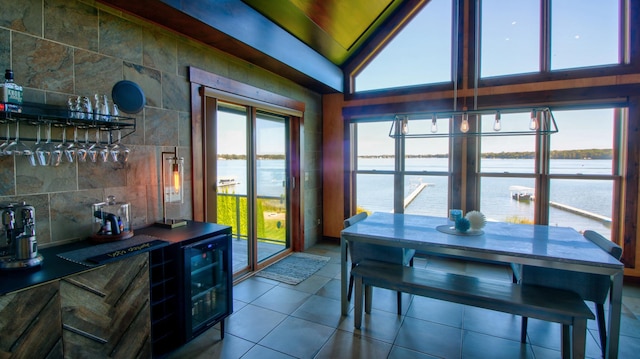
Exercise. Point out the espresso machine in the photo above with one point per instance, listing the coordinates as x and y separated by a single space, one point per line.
19 228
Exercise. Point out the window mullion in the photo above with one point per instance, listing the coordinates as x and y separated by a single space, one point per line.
545 36
543 189
398 176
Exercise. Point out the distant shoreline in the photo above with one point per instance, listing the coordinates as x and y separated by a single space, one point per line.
591 154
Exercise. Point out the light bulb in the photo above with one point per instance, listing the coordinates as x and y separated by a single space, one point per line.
533 124
464 126
434 124
176 178
497 126
405 126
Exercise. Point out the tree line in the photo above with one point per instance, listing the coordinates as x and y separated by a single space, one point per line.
593 154
244 157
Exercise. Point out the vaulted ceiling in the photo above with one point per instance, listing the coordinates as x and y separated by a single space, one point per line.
311 42
334 28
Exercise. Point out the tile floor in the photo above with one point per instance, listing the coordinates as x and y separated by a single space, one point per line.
276 320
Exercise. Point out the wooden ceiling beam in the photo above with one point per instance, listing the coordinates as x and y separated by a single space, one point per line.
237 29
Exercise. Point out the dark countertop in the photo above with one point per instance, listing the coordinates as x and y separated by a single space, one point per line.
52 268
55 268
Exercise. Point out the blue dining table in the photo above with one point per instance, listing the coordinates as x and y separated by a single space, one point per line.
534 245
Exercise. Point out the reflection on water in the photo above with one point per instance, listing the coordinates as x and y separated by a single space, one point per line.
375 192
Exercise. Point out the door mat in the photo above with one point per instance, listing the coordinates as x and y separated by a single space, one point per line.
294 268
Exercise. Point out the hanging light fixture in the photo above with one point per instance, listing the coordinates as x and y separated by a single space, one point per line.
172 187
541 122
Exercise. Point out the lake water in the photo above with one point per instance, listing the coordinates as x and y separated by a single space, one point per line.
375 192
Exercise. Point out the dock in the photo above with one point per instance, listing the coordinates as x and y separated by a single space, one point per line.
414 194
605 220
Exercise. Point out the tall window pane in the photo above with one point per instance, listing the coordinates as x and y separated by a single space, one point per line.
507 166
419 54
374 192
507 199
507 154
376 159
426 168
584 142
375 149
581 204
584 33
510 37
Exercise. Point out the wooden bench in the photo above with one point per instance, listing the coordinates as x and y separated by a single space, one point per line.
550 304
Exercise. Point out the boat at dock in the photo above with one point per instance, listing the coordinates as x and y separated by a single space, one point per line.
227 181
521 193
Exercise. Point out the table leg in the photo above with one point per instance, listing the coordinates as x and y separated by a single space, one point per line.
344 283
615 308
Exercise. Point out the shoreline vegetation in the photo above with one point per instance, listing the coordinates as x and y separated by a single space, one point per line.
588 154
584 154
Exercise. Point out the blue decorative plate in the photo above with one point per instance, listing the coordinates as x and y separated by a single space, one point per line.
128 96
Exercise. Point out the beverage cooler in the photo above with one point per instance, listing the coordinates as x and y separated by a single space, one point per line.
207 284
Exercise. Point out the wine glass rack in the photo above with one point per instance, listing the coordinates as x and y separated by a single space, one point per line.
40 114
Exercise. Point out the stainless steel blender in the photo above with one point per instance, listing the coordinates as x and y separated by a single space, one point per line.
19 226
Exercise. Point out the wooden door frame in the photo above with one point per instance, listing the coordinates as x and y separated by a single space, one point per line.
201 137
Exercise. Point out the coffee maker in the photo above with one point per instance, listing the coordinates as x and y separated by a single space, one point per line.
19 227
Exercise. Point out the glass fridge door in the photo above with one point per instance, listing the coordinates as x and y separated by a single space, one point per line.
207 283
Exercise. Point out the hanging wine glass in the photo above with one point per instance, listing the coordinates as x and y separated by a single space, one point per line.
46 153
71 150
19 148
96 148
118 151
83 148
104 152
58 150
7 140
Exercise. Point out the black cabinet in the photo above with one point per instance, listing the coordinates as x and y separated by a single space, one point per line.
190 281
164 285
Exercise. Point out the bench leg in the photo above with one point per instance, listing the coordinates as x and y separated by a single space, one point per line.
357 321
579 338
368 298
523 330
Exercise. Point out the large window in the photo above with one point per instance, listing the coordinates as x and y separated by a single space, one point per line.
418 55
513 35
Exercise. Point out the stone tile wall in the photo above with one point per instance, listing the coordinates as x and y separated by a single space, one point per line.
64 48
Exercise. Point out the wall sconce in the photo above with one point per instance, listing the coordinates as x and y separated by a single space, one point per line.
541 122
172 187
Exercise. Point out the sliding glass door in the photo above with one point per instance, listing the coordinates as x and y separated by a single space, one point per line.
252 182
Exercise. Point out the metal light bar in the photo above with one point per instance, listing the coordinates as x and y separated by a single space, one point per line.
542 122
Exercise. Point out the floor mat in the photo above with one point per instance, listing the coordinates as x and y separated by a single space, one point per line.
294 268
